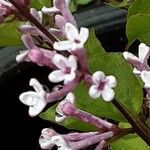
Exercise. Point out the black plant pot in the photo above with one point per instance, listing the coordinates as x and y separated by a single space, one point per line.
21 131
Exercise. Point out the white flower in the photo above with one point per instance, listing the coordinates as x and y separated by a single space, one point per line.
60 116
35 100
75 40
67 69
45 138
55 8
145 75
102 85
60 142
139 62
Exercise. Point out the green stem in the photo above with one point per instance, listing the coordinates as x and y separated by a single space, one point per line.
139 127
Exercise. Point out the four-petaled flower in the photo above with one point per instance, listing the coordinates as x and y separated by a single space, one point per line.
35 100
45 138
102 85
140 62
60 116
67 69
75 40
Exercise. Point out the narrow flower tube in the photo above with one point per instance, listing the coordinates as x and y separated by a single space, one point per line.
66 145
64 90
66 108
47 133
34 54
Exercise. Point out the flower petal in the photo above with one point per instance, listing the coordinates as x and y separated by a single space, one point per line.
84 34
60 61
108 94
145 75
50 10
62 45
69 77
38 107
45 138
56 76
94 92
37 14
29 98
60 22
129 56
136 71
97 76
72 62
28 42
71 32
70 97
144 52
36 85
59 141
111 81
22 56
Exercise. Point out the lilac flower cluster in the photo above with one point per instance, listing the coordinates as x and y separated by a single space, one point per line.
67 58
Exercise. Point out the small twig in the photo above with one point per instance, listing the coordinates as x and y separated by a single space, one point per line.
139 127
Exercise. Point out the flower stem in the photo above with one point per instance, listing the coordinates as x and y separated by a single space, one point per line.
29 17
139 127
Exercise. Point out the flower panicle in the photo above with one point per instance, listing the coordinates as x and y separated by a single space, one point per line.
66 57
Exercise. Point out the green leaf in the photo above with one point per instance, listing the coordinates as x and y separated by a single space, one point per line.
70 123
93 45
117 4
73 6
38 4
128 91
82 2
138 27
9 36
134 143
139 6
148 122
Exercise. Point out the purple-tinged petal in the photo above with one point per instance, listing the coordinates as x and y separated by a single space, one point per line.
94 92
69 77
111 81
60 22
60 61
37 14
28 42
71 32
98 76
